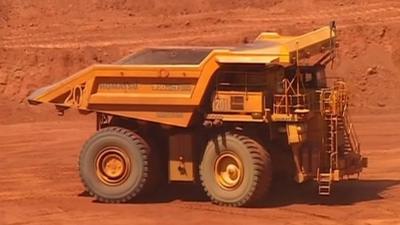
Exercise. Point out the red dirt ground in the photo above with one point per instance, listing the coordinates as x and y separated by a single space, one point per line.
44 41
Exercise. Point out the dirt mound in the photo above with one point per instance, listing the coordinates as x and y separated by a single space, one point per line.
42 42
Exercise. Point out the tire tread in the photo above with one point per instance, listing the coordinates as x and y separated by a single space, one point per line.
262 177
144 150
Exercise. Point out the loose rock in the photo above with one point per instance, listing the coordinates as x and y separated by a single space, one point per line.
372 70
381 104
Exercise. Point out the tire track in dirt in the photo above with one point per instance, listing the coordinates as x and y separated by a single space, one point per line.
174 40
243 212
47 189
372 15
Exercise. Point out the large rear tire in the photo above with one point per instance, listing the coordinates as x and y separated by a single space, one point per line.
235 170
115 165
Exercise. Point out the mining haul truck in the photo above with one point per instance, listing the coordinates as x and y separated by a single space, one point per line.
229 118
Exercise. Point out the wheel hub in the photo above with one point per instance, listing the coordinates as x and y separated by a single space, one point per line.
112 166
228 171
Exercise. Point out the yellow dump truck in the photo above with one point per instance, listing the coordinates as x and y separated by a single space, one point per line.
230 118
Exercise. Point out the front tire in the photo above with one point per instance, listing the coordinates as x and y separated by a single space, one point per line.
114 165
235 170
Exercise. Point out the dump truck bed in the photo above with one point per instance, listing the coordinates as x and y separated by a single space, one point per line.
166 85
167 56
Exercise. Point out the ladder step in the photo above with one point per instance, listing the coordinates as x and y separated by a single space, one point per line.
325 177
324 193
324 190
324 184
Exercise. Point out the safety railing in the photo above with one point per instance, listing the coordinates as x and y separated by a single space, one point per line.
351 132
289 104
291 101
334 103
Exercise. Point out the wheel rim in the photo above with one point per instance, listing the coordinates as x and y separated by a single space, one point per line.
112 166
228 171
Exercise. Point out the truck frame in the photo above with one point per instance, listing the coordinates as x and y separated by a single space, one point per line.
230 118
